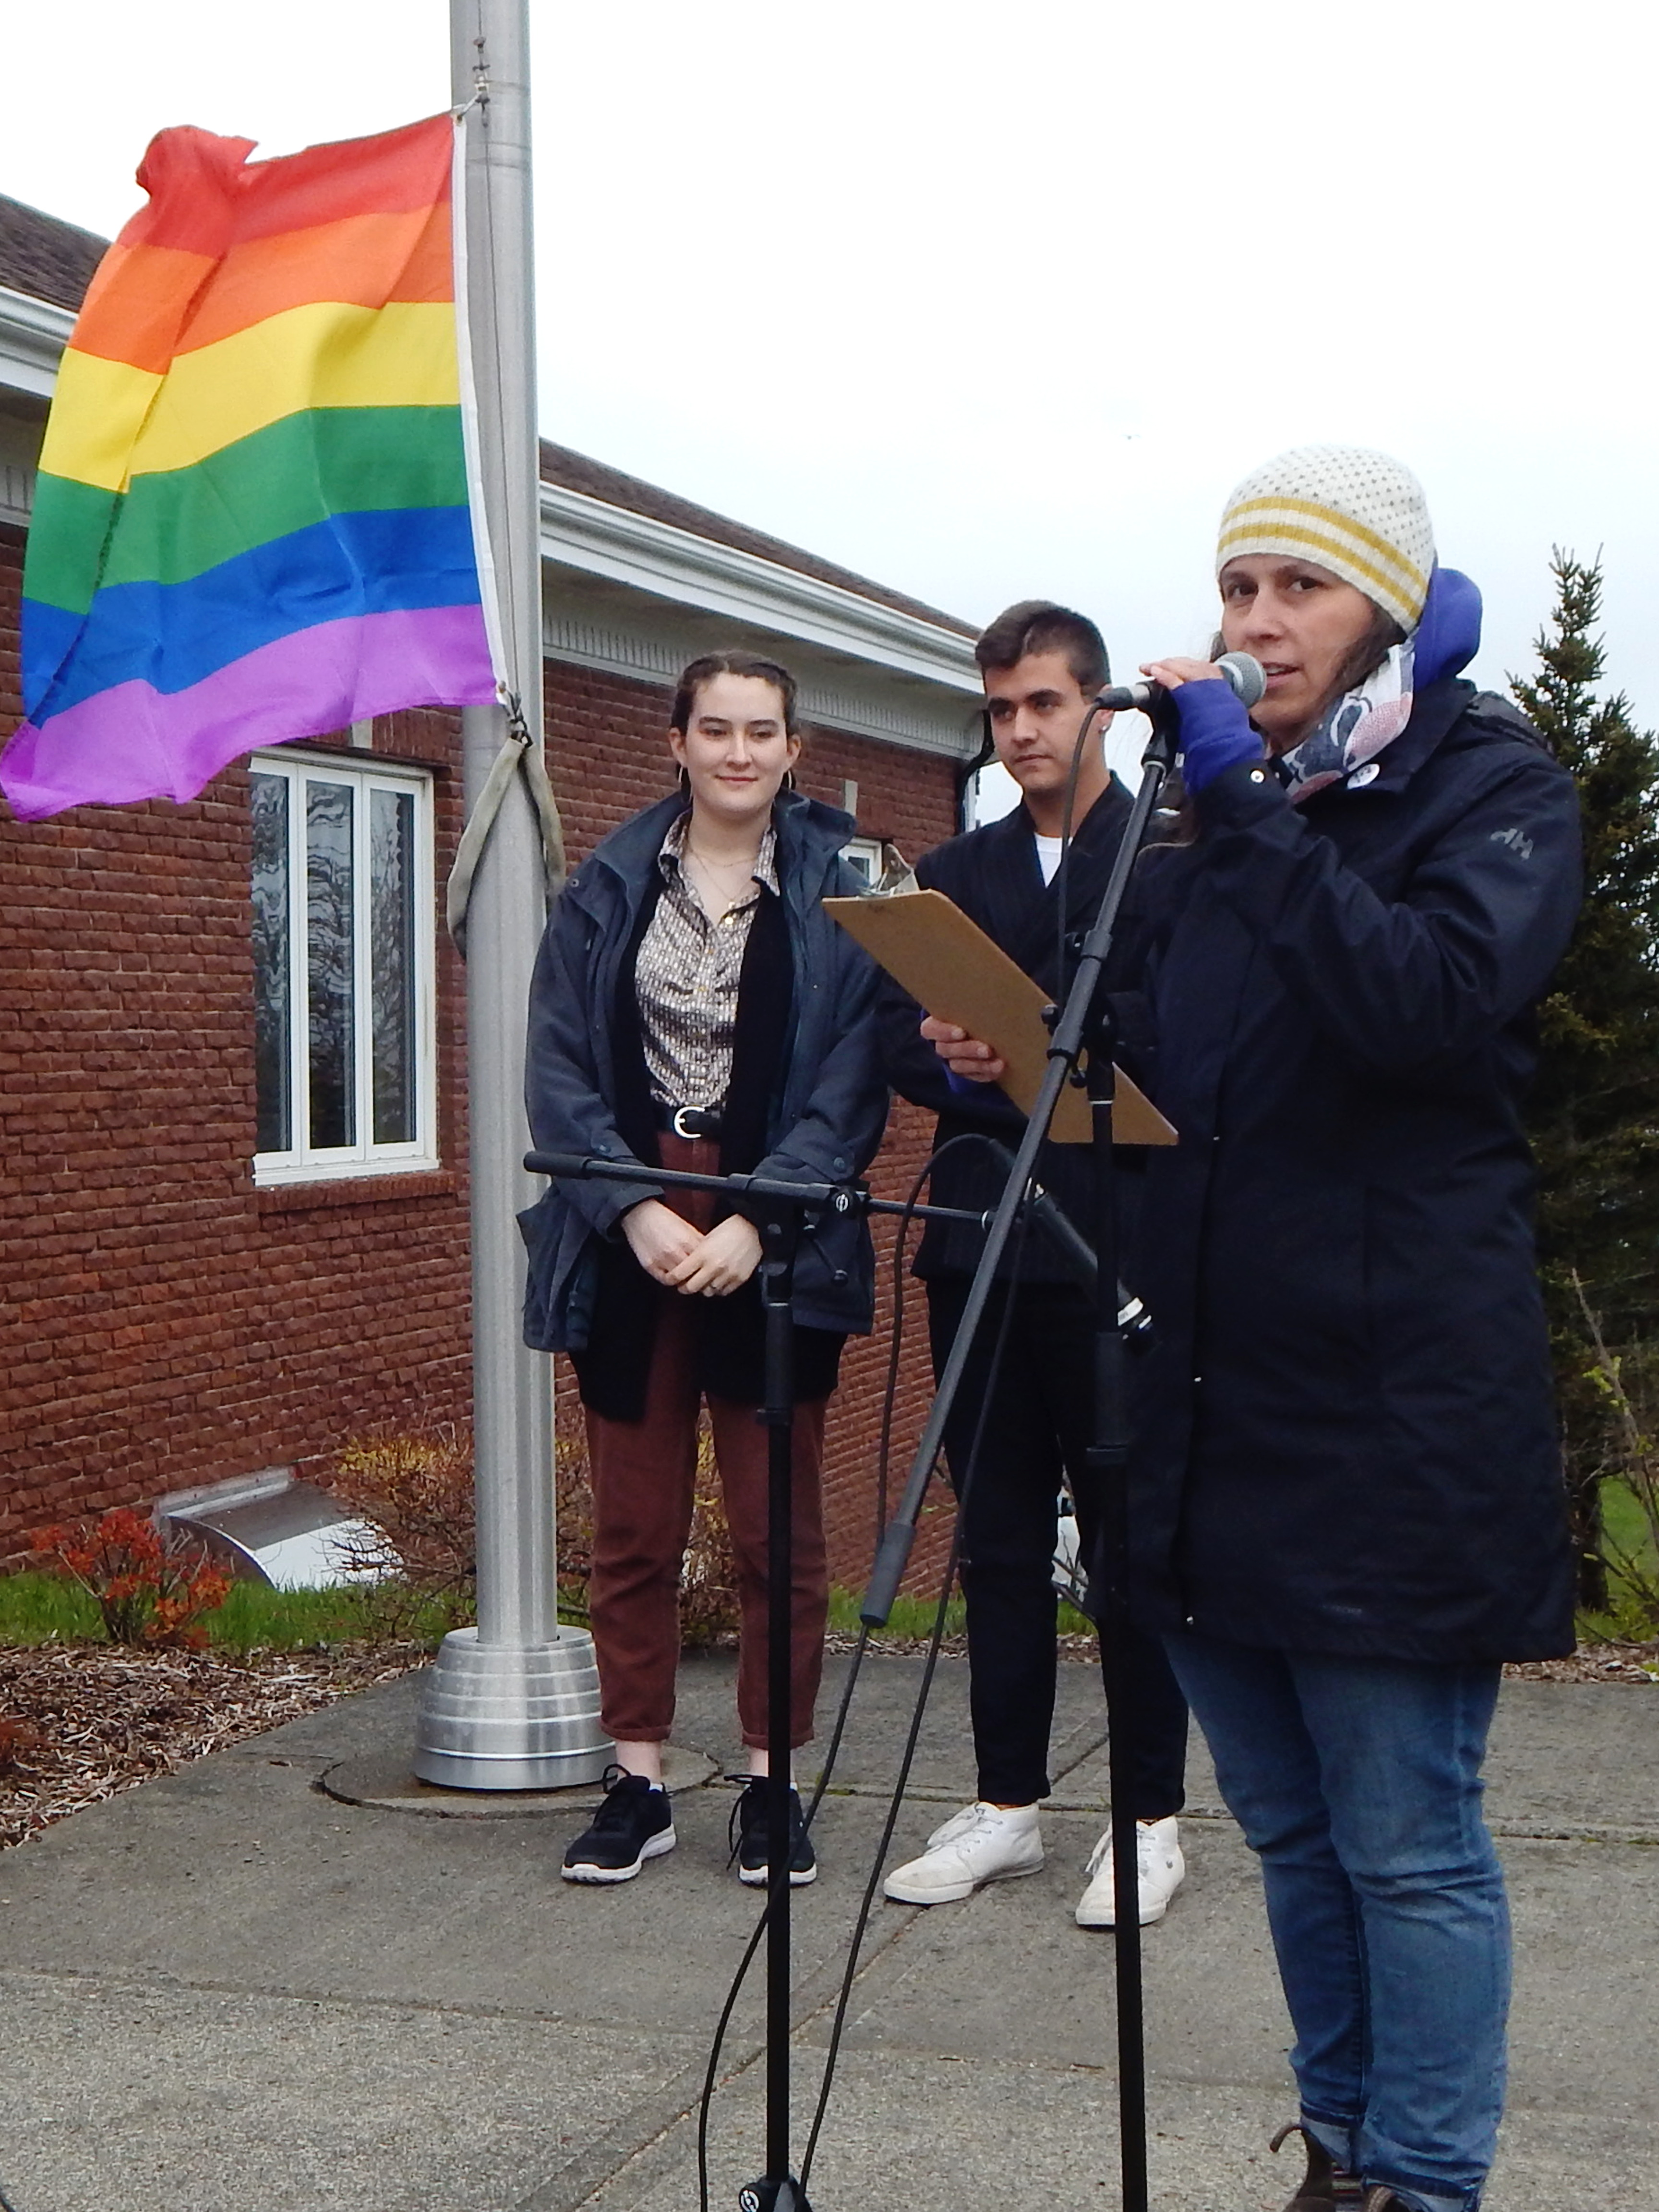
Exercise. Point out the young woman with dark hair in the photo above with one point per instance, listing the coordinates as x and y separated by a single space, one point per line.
695 1008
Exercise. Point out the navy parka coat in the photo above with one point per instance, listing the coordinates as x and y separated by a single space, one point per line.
826 1111
1347 1440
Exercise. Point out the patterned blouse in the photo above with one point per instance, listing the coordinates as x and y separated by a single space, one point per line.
686 977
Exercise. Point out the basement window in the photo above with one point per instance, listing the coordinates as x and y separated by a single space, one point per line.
344 1061
864 853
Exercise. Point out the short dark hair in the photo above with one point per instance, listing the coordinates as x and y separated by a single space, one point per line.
1041 626
698 672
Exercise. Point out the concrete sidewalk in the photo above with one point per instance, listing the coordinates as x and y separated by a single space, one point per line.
227 1991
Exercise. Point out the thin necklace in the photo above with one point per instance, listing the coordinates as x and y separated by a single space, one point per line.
719 868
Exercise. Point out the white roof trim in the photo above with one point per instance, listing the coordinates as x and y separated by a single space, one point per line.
33 334
629 635
579 532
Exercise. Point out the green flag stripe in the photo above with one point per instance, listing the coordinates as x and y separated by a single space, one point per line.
167 527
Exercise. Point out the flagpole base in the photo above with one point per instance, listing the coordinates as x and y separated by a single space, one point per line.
511 1718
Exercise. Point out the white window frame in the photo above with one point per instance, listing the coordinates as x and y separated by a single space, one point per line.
337 1163
864 854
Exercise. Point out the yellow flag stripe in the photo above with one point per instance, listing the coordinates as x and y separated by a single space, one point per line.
110 422
98 410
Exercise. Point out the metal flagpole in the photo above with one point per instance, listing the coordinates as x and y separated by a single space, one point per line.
514 1703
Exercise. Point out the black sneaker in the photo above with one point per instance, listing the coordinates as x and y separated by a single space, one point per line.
749 1839
635 1823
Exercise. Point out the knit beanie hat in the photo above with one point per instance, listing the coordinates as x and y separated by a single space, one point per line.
1358 513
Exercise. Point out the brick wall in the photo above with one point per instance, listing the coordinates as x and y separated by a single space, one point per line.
163 1324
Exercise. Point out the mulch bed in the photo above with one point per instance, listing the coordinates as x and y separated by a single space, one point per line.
80 1721
1594 1662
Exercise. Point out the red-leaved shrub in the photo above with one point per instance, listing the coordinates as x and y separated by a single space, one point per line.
148 1591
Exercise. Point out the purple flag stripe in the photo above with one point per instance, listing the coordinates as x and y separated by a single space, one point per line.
133 742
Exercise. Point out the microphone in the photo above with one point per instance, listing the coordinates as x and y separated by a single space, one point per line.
1246 677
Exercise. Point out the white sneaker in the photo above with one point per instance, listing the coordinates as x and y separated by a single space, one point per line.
1159 1868
981 1843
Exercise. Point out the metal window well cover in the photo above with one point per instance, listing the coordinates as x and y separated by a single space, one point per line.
270 1527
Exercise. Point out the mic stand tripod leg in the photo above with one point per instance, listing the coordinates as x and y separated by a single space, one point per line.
778 2190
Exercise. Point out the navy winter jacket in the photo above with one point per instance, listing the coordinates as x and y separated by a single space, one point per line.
1347 1438
822 1123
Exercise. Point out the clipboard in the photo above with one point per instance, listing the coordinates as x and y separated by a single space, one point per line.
950 966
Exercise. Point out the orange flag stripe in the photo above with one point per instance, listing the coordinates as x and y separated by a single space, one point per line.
139 310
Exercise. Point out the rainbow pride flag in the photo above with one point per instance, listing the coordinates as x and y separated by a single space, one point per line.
251 521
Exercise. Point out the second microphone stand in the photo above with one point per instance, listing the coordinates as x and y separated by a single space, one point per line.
1080 1025
783 1209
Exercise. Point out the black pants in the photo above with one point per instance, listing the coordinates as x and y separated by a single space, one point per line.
1036 1427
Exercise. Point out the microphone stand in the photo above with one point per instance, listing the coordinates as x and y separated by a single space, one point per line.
1079 1024
784 1208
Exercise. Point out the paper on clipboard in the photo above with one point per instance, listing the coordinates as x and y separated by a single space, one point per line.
949 966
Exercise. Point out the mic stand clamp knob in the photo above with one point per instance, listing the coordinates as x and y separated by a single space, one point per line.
769 2196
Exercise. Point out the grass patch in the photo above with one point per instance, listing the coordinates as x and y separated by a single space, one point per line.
255 1618
41 1608
1630 1617
912 1618
36 1608
1627 1529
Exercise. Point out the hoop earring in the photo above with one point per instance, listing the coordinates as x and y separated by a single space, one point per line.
789 779
685 780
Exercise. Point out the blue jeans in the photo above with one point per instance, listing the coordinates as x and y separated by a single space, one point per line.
1357 1783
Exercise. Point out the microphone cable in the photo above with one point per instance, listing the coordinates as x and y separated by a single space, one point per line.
838 1732
918 1714
1062 873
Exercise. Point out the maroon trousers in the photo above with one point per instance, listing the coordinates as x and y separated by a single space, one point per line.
643 1472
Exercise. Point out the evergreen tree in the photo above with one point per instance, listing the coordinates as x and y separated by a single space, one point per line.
1594 1111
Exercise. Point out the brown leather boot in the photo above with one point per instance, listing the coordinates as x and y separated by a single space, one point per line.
1326 2186
1382 2200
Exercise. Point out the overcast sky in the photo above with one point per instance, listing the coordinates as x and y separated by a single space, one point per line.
987 302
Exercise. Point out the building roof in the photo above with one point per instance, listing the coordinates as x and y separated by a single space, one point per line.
575 471
45 258
51 260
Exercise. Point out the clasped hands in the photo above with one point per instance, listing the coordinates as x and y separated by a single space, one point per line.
698 1263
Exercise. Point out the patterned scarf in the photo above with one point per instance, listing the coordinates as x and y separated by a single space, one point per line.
1354 729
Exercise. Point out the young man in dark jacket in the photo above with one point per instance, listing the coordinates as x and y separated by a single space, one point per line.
1042 665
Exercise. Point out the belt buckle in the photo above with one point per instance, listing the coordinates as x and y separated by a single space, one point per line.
677 1123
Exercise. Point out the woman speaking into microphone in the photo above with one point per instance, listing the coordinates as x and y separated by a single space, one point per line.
1349 1508
1346 1500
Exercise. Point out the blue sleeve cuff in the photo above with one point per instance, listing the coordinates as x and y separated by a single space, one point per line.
1215 730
